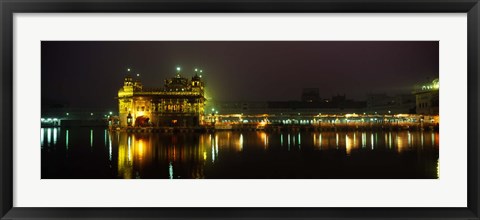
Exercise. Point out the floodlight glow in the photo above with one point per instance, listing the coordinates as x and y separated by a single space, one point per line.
178 68
196 69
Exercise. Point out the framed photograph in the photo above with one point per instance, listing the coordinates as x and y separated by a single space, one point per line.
237 109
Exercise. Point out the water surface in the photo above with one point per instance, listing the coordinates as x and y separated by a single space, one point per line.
96 153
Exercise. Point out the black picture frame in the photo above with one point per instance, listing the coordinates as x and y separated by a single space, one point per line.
9 7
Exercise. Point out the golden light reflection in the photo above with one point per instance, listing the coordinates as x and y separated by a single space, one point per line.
364 139
400 144
390 140
320 140
348 144
138 153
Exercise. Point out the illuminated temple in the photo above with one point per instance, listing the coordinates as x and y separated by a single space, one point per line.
180 103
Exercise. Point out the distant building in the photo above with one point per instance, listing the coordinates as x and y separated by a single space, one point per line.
427 98
340 105
385 104
179 103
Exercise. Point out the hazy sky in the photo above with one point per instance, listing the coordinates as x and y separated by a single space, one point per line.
89 74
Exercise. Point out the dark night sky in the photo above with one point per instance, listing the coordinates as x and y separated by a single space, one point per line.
89 74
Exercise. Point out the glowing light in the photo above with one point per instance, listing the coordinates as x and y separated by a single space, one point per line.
49 136
42 133
216 145
91 138
371 140
201 70
196 70
433 139
400 144
421 139
42 119
91 113
409 138
364 139
320 140
336 139
110 113
390 140
281 140
288 142
109 147
54 136
348 144
66 139
138 74
129 144
204 155
128 70
241 142
170 170
67 114
178 68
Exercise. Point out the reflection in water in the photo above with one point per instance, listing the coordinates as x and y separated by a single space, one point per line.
42 133
255 154
66 139
91 138
371 140
54 136
49 136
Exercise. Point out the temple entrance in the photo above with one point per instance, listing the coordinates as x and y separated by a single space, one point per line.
142 121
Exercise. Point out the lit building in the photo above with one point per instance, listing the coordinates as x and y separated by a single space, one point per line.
427 98
179 103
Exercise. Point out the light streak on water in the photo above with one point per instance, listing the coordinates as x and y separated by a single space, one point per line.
336 139
42 134
433 139
91 138
129 144
241 142
371 140
49 136
110 147
390 140
320 140
281 140
66 139
288 142
364 139
54 136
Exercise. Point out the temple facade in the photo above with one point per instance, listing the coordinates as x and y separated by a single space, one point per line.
427 98
180 103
